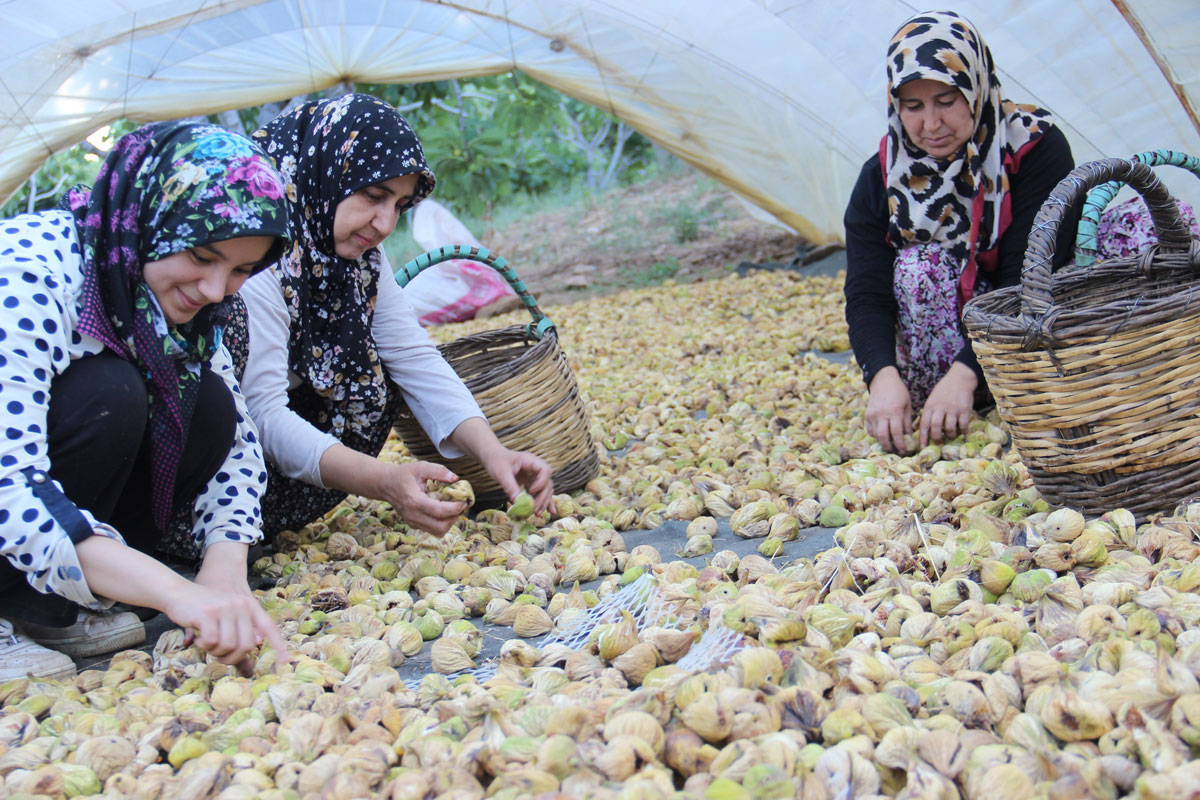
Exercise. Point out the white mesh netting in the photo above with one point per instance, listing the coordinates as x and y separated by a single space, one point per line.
645 604
640 599
713 649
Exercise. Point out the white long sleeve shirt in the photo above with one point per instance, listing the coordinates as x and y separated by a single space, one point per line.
41 278
434 392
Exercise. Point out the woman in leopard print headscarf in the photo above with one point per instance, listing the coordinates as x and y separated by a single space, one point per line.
942 212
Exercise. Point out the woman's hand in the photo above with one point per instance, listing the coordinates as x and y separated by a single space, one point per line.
226 618
404 488
948 410
514 469
229 624
222 614
402 485
889 410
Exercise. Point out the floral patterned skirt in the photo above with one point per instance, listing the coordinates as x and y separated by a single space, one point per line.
929 332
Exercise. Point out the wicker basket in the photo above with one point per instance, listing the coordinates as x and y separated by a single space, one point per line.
522 382
1096 369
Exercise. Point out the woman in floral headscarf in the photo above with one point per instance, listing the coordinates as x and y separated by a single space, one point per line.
332 342
120 401
942 212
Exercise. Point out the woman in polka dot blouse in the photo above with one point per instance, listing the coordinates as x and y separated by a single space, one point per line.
120 404
332 341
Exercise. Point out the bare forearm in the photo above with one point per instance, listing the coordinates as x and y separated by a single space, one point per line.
120 573
962 375
475 438
352 472
226 562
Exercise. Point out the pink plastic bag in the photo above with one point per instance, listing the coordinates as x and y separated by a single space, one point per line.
455 290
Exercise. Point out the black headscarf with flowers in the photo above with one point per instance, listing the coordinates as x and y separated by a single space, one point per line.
163 189
326 151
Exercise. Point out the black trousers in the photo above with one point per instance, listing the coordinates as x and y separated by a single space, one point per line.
98 443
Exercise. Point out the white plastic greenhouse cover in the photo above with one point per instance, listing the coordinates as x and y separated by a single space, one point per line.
780 100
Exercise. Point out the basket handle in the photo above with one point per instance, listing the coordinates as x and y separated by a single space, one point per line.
1087 240
1173 235
541 323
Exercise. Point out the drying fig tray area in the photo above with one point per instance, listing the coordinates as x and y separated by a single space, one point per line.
667 539
679 627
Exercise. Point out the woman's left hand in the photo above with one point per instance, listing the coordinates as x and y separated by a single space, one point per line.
947 412
513 469
224 569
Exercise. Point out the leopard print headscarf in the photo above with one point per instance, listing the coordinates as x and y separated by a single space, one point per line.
956 202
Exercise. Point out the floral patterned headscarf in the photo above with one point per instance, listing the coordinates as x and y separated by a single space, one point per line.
163 189
326 151
956 202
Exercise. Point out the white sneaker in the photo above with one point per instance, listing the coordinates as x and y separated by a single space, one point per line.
92 634
21 656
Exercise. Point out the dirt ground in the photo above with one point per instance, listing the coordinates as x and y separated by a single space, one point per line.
685 228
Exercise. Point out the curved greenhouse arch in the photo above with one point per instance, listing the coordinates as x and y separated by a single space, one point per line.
779 102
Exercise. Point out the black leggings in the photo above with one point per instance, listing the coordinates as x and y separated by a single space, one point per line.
99 453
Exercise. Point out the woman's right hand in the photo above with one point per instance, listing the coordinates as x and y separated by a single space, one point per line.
404 487
889 410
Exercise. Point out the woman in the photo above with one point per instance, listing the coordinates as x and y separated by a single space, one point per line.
940 214
121 403
332 343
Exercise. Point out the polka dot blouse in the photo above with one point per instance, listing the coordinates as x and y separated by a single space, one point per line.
40 278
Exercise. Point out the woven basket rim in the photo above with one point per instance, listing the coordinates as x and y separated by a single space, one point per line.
464 347
1051 307
1003 305
1037 274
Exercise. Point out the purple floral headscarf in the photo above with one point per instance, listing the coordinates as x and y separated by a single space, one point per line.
163 189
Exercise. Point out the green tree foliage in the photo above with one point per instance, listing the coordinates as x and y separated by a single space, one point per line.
492 137
487 139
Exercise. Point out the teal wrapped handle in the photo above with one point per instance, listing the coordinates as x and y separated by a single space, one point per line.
1087 239
541 323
